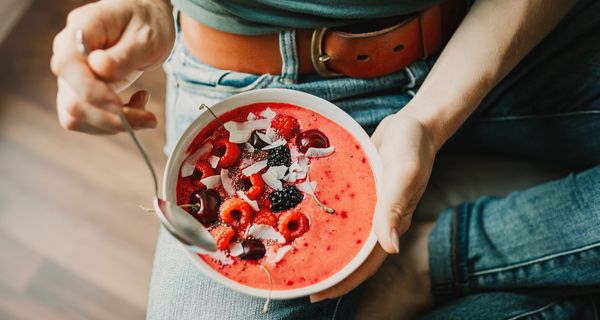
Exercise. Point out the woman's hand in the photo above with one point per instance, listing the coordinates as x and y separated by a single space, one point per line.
123 38
407 152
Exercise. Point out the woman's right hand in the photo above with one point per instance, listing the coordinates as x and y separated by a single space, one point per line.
123 37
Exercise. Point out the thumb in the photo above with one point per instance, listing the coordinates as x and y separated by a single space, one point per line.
391 217
129 55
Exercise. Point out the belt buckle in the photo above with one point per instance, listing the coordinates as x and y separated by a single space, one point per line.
318 57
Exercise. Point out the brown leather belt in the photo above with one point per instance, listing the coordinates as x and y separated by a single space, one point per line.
330 52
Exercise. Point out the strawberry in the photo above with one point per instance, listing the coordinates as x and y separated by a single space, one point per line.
264 216
228 152
236 212
222 235
286 126
292 224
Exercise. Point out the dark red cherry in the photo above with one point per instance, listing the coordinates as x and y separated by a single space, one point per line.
311 139
208 202
256 141
253 249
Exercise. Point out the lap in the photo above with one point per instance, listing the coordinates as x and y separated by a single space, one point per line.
180 291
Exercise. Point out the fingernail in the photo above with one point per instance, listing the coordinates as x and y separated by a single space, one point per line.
315 299
149 124
395 238
146 97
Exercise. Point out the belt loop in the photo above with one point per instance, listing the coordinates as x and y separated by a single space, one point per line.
289 57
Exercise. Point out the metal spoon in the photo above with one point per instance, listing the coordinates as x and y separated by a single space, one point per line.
178 222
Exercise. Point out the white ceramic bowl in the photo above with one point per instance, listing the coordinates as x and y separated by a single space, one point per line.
301 99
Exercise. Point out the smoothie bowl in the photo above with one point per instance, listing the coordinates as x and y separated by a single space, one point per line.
286 183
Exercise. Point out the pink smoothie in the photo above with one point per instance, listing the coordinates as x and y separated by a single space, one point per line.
344 182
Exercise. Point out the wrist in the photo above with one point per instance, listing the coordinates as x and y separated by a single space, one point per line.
431 115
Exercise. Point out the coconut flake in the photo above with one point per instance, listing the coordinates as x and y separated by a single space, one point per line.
189 165
294 153
319 152
254 168
307 187
211 182
273 176
264 232
297 170
248 147
252 203
271 134
275 144
251 116
277 256
240 132
226 181
272 181
214 161
268 113
236 249
221 257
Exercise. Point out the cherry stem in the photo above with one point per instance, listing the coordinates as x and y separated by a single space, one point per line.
314 196
265 309
203 106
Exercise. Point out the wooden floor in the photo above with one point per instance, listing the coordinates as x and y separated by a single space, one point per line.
73 242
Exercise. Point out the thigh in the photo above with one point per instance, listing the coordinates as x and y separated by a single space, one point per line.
180 291
509 305
548 107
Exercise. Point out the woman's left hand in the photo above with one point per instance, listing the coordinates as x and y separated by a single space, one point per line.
407 151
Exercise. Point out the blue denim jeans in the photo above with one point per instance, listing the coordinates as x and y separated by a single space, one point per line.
533 254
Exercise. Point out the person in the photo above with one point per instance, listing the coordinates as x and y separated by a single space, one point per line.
516 78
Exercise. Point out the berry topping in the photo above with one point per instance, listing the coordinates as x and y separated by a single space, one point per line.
284 199
253 249
222 235
256 141
311 139
236 212
286 126
227 152
292 224
279 156
253 186
265 216
201 170
207 209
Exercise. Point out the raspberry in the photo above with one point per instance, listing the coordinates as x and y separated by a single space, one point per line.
279 156
286 126
284 199
222 235
236 212
228 152
253 186
265 216
292 224
201 171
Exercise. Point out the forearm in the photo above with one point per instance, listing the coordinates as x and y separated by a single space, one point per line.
494 36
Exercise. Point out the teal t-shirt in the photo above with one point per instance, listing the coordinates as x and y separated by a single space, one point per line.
268 16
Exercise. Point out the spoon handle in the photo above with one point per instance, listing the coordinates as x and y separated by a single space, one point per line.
140 147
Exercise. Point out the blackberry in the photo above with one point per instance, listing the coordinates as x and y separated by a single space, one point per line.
284 199
279 156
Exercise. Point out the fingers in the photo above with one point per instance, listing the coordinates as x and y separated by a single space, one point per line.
128 55
78 115
364 272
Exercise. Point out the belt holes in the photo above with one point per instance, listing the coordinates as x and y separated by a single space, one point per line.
362 57
398 48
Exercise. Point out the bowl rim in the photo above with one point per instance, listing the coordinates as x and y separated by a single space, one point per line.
303 100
